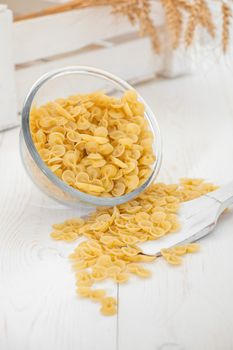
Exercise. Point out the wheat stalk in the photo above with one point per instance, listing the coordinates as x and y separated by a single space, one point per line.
206 18
192 22
226 14
184 4
147 26
174 21
139 12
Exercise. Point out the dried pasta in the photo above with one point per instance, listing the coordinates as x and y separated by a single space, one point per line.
110 250
95 143
173 255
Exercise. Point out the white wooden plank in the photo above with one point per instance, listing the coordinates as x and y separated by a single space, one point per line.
117 60
38 305
188 307
51 35
69 31
7 80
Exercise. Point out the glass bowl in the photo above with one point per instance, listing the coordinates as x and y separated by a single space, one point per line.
63 83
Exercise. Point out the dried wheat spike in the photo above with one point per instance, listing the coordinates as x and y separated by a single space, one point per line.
192 22
147 26
138 11
206 18
174 21
226 14
126 9
184 4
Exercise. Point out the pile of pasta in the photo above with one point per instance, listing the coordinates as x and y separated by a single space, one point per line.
95 143
112 237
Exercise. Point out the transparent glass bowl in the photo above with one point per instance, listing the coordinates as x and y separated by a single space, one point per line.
62 83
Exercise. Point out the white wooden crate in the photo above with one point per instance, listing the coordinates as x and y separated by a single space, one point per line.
87 37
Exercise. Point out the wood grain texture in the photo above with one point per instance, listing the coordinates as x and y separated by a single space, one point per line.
114 59
180 308
70 31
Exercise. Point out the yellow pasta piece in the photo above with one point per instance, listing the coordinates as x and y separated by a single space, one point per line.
56 168
40 136
68 176
91 147
130 251
69 126
83 279
84 292
192 247
120 263
131 182
110 241
147 159
45 154
93 173
145 225
165 226
118 162
126 141
80 265
173 259
83 123
129 240
158 216
106 149
101 131
108 185
89 187
97 295
119 189
133 268
55 138
116 134
133 128
142 272
118 175
157 232
118 151
70 158
127 109
73 136
121 277
112 271
98 273
109 171
82 177
179 250
142 216
109 306
97 139
104 260
98 163
94 245
94 156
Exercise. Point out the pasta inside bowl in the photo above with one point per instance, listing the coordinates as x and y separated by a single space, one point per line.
101 148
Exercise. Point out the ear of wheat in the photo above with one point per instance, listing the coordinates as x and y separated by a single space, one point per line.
139 12
173 20
226 15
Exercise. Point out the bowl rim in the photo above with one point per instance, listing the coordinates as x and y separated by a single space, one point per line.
79 195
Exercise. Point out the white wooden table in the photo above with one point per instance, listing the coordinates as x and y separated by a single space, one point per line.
182 308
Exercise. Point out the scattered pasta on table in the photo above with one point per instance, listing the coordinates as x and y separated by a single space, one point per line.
111 249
